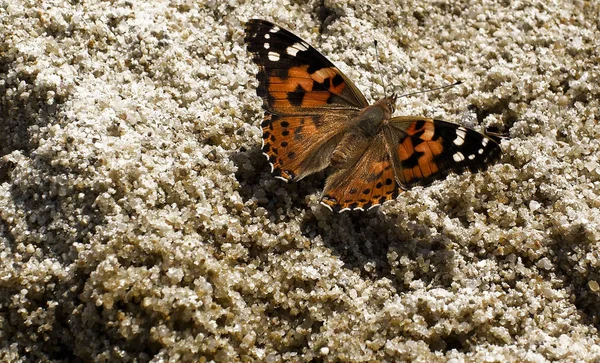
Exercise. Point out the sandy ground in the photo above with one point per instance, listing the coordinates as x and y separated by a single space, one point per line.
139 220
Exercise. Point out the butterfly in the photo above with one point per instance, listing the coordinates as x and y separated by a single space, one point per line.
315 118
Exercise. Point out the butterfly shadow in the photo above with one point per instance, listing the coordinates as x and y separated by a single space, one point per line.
375 245
370 242
581 282
258 185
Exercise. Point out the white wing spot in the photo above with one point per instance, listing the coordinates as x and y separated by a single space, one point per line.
327 205
274 29
480 151
273 57
461 132
472 156
267 46
484 142
267 36
295 48
270 163
458 157
374 206
292 51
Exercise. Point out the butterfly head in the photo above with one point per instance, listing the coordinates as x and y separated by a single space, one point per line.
388 103
392 102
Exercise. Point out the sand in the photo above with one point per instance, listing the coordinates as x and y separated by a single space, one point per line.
140 221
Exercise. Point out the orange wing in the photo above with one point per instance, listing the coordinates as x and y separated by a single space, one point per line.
294 78
307 100
366 184
424 150
297 146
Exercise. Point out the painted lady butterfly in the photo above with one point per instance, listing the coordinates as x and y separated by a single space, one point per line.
315 117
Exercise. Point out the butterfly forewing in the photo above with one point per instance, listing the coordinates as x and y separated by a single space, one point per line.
424 150
293 76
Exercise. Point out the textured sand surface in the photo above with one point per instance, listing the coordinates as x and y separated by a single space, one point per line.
139 220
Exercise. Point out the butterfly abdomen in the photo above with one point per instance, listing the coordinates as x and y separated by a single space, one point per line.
349 149
361 132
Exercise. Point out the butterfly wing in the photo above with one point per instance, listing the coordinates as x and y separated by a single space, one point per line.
307 100
365 184
424 150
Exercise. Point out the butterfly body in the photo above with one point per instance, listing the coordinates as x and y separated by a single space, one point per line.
360 130
316 118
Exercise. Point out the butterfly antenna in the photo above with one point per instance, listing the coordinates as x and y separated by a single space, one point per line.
432 89
379 68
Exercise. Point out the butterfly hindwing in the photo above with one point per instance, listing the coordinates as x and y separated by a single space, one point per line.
366 183
424 150
300 145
